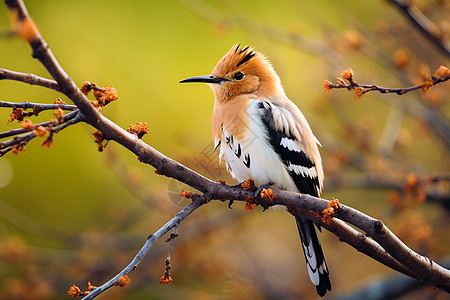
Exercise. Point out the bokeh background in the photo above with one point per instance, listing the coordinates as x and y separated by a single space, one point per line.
70 214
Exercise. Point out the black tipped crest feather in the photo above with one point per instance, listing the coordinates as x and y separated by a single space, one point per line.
247 57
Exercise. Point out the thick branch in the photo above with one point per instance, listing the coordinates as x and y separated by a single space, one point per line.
357 240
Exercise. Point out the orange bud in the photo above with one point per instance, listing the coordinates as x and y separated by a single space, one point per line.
74 291
268 194
25 28
359 91
402 57
140 129
123 281
106 95
442 71
165 279
86 87
48 143
18 148
99 138
28 125
341 81
326 85
59 114
40 131
59 101
249 203
327 214
353 39
347 74
411 182
17 114
426 85
249 185
110 94
186 194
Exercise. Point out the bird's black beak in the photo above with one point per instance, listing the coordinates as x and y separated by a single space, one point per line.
206 78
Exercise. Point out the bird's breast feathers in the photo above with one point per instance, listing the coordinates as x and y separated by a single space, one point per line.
268 143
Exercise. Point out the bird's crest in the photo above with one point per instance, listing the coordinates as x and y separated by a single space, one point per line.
247 52
237 57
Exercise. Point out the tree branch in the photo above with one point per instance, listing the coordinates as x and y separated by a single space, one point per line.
442 74
29 78
427 28
196 203
18 131
37 107
358 240
395 254
22 140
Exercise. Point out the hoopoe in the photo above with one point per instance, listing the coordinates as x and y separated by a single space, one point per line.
264 136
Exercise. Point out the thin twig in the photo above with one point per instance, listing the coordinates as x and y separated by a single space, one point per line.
78 118
17 131
37 107
29 78
384 90
19 141
22 140
147 245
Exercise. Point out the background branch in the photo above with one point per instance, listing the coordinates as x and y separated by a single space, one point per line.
427 28
364 88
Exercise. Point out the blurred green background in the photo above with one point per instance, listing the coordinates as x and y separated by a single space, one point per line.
71 214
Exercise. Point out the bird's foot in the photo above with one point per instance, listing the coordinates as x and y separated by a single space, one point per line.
230 203
257 193
261 193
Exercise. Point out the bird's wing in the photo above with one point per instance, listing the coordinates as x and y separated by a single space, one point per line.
303 170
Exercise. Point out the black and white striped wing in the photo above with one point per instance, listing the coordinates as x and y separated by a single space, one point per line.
304 174
300 167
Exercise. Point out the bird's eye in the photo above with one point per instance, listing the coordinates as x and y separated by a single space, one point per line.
238 76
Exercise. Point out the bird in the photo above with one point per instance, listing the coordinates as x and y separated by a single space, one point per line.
263 135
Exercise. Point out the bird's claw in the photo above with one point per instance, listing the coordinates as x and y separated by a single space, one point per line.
230 203
258 191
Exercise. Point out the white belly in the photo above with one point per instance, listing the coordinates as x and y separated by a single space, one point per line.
256 158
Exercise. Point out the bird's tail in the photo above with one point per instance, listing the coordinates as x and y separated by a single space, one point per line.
315 260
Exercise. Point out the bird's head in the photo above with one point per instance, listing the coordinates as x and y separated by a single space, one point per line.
242 71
